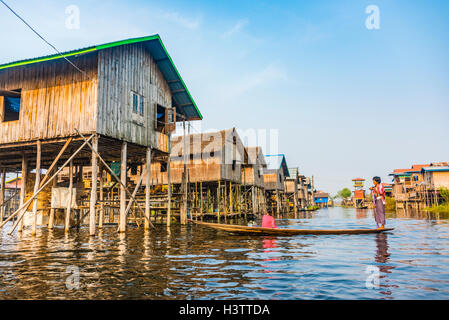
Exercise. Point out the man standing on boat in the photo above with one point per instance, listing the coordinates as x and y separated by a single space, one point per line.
379 202
268 220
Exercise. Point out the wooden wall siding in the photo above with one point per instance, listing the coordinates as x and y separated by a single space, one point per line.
272 181
199 171
201 165
121 70
56 99
252 173
290 186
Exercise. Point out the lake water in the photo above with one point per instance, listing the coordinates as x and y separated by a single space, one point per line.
194 262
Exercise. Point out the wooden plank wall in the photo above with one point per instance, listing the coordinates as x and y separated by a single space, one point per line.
121 70
272 181
232 151
202 165
56 99
252 173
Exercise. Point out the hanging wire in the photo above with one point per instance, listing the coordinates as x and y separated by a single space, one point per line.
45 40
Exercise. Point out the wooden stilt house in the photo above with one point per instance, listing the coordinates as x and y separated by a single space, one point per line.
206 169
274 180
114 103
253 180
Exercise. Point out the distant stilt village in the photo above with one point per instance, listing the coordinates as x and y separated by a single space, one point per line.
419 187
94 145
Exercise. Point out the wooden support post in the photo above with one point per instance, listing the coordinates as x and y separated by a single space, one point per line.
23 186
101 217
201 199
225 200
278 203
55 161
147 189
20 211
37 181
69 203
93 193
51 219
231 198
123 167
253 199
112 202
2 195
313 191
186 155
169 182
218 198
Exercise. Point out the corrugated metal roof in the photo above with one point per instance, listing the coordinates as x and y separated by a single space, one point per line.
276 161
445 168
182 99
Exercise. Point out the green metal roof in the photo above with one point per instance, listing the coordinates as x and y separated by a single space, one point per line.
182 99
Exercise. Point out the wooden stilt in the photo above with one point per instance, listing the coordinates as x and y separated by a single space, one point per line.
69 202
218 198
253 199
231 198
123 165
20 211
51 219
186 155
147 189
37 181
93 193
201 199
23 186
169 182
2 195
111 201
55 161
225 200
101 217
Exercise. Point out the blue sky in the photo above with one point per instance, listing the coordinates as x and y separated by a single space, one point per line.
346 101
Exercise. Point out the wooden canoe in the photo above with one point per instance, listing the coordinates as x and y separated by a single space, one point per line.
284 232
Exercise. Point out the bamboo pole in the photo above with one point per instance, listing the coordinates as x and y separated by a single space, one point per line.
169 182
55 161
69 204
110 170
27 203
23 186
2 195
101 217
201 199
147 189
51 219
186 154
134 194
123 167
94 185
231 198
36 184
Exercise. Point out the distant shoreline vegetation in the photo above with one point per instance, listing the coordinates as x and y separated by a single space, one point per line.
440 208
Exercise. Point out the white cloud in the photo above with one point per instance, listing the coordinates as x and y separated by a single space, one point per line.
239 25
183 21
268 75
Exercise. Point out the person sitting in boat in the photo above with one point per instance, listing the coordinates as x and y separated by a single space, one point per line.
268 220
379 201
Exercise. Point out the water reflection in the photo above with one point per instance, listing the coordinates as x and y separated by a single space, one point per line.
382 258
360 213
194 262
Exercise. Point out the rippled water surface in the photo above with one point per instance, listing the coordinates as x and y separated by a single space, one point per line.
194 262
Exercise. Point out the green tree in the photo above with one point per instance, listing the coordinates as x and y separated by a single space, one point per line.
444 192
344 193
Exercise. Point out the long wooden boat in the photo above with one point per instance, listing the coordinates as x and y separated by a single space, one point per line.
284 232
